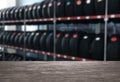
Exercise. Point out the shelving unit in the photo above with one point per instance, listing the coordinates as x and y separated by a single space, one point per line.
47 53
105 18
47 20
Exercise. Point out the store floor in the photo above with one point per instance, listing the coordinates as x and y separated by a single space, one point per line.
59 71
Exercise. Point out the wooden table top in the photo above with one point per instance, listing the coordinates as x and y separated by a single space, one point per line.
60 71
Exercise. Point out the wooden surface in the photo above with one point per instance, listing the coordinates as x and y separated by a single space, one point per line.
59 71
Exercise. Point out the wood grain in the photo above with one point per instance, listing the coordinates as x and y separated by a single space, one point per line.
59 71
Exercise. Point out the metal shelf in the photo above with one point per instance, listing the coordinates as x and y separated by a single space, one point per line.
77 18
47 53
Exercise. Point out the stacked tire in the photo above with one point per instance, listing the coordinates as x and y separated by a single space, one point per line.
62 8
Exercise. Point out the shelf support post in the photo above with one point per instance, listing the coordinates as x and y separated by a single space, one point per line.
105 31
54 30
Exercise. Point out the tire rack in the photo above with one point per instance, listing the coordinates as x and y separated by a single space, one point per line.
78 18
47 53
105 18
112 16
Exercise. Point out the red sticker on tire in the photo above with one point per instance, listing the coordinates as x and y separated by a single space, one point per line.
67 35
113 39
58 35
75 35
78 2
59 3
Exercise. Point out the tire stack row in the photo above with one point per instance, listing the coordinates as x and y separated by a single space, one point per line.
78 44
16 57
64 8
13 57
